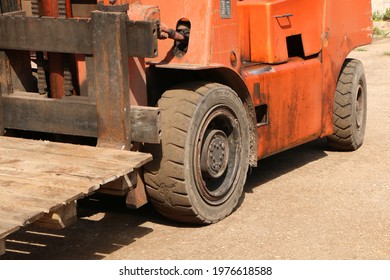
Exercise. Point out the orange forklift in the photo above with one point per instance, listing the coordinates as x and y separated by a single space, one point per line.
204 89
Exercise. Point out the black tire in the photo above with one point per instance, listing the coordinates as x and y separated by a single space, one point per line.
200 168
350 108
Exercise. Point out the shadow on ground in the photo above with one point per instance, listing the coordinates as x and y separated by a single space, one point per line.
282 163
105 224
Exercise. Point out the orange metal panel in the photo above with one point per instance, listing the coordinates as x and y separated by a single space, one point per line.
212 38
199 13
343 31
293 93
272 21
299 92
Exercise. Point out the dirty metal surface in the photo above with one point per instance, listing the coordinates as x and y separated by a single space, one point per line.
73 116
111 80
71 35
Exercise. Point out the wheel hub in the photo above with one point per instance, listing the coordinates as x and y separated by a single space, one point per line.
359 108
215 154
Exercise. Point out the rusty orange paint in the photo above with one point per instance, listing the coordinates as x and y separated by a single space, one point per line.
298 90
48 8
270 22
343 31
55 60
294 103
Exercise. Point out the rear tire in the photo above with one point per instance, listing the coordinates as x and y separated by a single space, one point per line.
350 108
200 168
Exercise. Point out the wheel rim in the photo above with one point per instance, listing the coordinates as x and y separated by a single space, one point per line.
217 155
359 107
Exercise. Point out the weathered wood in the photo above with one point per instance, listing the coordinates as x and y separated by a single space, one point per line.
48 194
7 228
38 177
73 116
60 218
81 162
137 197
120 186
111 81
109 156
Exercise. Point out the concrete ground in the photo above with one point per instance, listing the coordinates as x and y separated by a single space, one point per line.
306 203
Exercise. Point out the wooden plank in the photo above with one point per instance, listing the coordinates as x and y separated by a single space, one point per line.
34 197
54 185
111 156
137 196
74 116
19 215
62 164
120 186
7 228
38 177
60 218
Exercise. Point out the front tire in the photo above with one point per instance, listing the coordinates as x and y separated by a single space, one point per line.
200 168
350 108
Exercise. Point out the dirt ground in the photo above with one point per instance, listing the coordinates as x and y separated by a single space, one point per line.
306 203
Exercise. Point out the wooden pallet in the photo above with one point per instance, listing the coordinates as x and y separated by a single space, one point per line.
41 180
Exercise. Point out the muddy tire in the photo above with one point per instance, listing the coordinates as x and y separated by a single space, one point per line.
200 167
350 108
